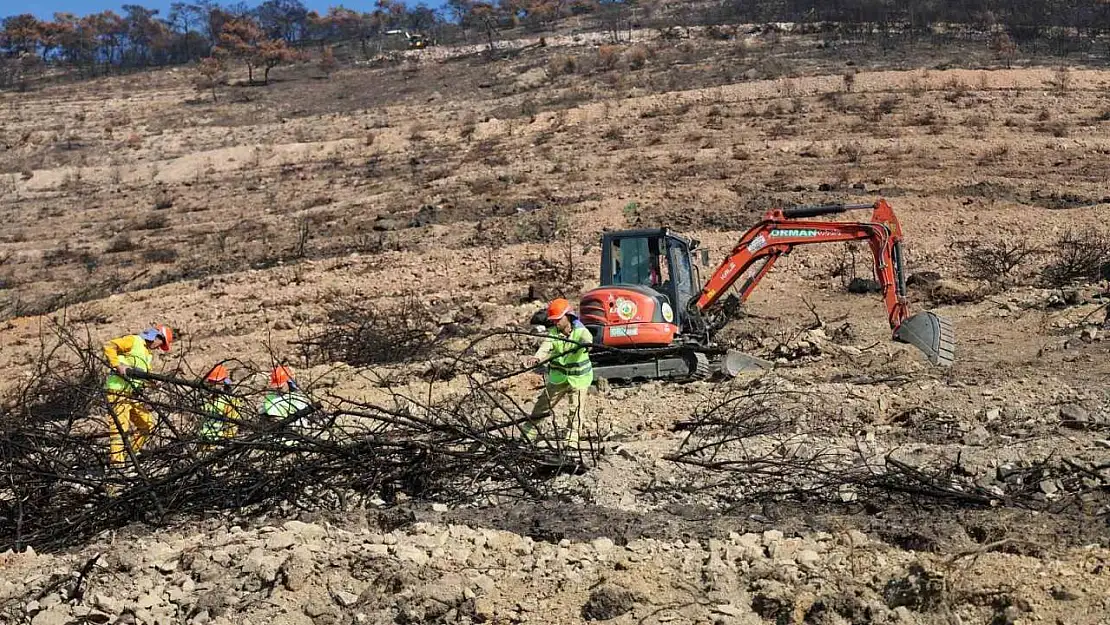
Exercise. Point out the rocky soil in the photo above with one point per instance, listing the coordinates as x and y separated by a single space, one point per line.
354 572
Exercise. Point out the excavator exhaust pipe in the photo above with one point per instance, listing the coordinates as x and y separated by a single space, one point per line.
932 334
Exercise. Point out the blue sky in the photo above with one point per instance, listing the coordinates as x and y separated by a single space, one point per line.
45 9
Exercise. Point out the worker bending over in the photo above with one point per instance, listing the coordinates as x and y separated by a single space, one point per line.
222 411
284 398
131 418
569 374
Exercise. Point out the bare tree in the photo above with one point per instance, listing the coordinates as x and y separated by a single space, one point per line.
210 74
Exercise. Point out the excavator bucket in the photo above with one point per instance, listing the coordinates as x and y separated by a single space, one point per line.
930 333
736 362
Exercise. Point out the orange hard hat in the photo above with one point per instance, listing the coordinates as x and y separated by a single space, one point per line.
281 375
557 309
218 374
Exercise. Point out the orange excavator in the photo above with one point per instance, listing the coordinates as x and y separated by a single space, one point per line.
652 308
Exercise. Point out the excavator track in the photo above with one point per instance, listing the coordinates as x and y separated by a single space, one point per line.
699 366
684 366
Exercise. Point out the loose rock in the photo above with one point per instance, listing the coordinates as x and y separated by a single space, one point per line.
608 602
978 437
1074 416
54 615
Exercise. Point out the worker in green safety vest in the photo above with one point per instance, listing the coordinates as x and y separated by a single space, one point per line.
284 400
222 410
569 375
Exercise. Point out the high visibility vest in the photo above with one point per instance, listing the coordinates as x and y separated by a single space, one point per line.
570 357
223 413
130 351
281 405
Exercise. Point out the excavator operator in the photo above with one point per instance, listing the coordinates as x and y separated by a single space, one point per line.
643 269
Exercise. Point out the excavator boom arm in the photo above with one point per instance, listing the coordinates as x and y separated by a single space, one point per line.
781 230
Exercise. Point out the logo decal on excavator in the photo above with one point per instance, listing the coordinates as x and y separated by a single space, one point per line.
626 309
797 232
668 313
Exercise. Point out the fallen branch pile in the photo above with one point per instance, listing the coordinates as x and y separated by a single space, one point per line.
744 448
58 488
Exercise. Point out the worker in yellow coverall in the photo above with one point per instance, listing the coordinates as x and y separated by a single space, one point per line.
131 417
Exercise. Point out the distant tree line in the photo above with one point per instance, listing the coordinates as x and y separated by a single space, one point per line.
139 37
275 30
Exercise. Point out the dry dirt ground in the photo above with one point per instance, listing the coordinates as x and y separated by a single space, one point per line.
136 199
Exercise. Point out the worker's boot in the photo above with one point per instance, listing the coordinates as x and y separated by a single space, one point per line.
571 439
529 431
567 437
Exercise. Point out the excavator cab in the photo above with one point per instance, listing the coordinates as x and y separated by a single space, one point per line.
641 309
647 279
657 259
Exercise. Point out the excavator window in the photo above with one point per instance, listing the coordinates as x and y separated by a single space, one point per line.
658 273
638 261
658 261
682 274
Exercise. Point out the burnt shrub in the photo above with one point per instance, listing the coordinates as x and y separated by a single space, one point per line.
996 261
121 243
160 255
1079 256
153 221
362 334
